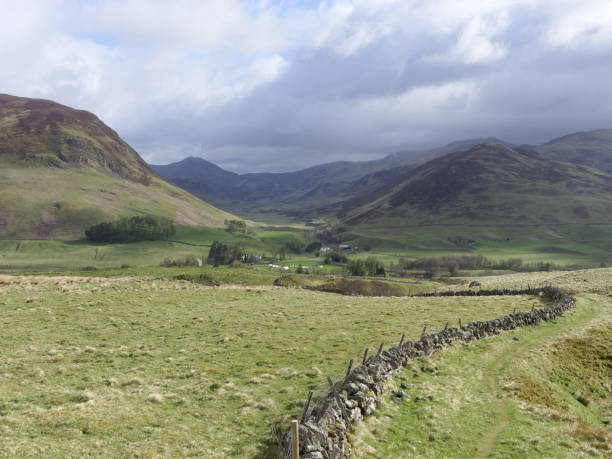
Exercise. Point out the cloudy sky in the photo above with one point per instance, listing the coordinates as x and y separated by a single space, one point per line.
258 85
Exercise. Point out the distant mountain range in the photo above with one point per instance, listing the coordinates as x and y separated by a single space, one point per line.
62 170
486 179
304 194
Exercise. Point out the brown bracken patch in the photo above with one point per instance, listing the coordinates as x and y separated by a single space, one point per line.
529 391
596 436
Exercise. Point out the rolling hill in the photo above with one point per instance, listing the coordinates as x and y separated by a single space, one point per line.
592 148
489 184
62 170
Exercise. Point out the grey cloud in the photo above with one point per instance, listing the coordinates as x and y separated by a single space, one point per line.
326 83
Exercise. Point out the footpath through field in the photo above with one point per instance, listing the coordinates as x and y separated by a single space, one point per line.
463 401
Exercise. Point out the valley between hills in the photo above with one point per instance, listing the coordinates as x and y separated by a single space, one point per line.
204 338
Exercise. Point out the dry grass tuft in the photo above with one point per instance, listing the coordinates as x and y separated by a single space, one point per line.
155 398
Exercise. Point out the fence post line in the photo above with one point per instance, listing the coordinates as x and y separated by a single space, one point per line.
295 440
305 410
365 356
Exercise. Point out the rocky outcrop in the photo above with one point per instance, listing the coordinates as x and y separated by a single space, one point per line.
323 430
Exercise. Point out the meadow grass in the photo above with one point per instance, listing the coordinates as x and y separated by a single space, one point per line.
136 366
533 392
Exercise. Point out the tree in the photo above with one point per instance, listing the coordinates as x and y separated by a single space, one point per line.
236 226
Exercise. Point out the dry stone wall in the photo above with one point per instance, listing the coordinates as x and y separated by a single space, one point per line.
322 430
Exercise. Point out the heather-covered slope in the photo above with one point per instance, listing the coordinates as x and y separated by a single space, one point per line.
491 184
63 170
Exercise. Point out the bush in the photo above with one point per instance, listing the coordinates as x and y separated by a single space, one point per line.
222 254
236 226
294 247
313 247
189 260
335 257
132 229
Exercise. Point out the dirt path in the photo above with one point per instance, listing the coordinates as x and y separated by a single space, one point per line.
499 364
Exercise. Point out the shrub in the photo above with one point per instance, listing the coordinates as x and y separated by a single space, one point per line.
236 226
335 257
313 247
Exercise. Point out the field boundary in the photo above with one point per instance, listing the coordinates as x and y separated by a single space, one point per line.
322 430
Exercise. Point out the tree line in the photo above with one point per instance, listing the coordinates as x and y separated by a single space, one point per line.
452 263
132 229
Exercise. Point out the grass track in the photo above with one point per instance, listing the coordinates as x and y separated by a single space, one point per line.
474 415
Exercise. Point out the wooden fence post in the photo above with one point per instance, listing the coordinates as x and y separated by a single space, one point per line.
423 332
365 356
460 323
402 340
380 348
295 440
305 410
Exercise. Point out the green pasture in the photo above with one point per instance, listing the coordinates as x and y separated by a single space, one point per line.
137 366
587 245
534 392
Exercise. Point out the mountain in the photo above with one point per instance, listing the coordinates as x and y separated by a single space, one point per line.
491 184
62 170
308 193
301 193
592 148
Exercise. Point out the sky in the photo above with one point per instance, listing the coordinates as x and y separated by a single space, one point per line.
256 85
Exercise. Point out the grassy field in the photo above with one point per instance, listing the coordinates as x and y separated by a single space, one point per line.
19 255
562 245
144 367
535 392
588 245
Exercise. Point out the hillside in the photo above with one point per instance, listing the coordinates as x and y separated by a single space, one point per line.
592 148
63 170
490 184
307 193
302 193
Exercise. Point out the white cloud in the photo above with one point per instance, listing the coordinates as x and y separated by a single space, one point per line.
585 24
272 80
